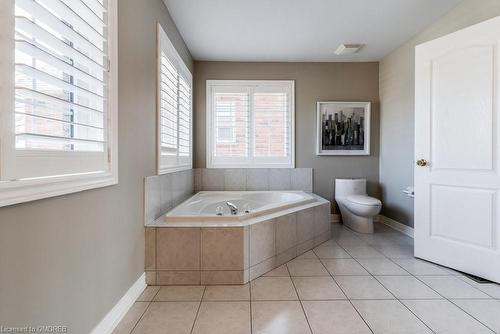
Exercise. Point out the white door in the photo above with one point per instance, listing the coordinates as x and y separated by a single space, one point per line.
457 156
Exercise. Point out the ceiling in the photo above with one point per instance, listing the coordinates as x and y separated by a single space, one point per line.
300 30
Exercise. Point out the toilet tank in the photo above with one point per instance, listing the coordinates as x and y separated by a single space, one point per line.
346 187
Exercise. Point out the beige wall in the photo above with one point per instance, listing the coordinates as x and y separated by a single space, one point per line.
397 112
68 260
313 82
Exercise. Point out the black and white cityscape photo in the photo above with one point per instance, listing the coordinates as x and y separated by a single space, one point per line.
343 128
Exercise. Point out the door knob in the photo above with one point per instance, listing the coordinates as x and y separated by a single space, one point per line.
422 162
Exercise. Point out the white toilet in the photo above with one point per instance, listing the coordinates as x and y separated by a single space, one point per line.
356 207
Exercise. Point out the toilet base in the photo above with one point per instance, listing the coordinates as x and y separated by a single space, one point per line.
358 224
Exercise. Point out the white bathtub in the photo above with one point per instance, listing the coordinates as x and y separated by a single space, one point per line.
237 248
202 207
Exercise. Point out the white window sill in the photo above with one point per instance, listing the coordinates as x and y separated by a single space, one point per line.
173 169
15 192
250 165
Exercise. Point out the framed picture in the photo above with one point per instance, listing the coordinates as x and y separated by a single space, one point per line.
343 128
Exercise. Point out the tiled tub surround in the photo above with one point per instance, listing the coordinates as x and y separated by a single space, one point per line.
253 179
163 192
233 255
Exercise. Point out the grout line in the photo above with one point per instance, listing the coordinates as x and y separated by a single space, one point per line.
443 297
396 298
250 300
308 300
198 310
157 292
345 294
465 281
452 302
140 318
473 317
404 305
300 301
347 298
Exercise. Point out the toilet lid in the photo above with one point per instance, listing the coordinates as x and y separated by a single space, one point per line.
363 200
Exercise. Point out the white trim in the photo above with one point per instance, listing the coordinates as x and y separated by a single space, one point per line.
248 162
407 230
164 44
396 225
25 190
116 314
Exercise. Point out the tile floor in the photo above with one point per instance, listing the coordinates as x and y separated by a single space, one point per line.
352 283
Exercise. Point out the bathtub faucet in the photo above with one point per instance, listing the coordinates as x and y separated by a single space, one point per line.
233 208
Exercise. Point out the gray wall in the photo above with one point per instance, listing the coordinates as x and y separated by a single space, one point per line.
68 260
313 82
397 106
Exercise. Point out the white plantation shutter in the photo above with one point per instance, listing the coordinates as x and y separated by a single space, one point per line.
58 76
250 123
174 108
231 124
60 109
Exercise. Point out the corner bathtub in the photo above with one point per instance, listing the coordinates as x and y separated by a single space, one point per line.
203 206
191 245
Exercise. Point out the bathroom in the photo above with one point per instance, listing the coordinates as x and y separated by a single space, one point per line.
132 250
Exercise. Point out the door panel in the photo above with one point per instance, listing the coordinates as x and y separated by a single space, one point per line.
457 132
452 219
462 92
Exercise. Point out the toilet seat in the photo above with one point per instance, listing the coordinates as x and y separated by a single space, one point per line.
363 200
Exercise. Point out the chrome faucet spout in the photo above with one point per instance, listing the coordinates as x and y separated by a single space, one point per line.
233 208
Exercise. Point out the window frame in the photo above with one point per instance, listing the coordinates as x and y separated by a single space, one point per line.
30 189
250 161
184 71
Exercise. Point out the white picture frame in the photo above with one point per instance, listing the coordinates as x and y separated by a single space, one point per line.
343 128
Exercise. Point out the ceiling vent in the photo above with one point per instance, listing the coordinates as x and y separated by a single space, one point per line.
348 49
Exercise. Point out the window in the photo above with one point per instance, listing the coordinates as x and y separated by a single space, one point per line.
174 108
58 95
250 123
225 123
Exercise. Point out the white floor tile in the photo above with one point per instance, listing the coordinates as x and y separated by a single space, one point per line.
452 287
389 317
273 288
420 267
486 311
363 252
444 317
491 289
344 267
283 317
317 288
331 252
334 317
307 267
407 287
382 267
223 318
362 287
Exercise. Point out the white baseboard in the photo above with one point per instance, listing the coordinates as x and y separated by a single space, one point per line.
335 218
115 315
396 225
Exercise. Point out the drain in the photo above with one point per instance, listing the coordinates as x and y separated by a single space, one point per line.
477 279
